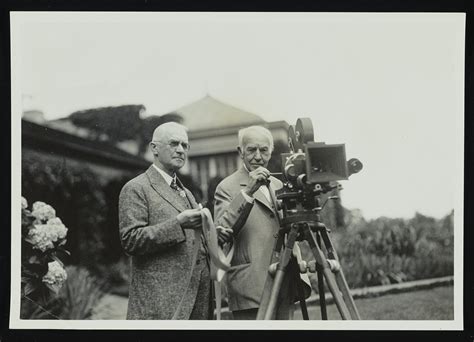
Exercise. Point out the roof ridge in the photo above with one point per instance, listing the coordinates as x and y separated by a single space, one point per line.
189 104
234 107
220 102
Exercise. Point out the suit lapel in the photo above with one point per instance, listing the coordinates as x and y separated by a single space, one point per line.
260 196
163 189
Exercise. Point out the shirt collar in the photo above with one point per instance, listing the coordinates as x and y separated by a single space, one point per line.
167 177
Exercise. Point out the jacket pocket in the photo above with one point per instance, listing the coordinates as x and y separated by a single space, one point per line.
241 257
237 270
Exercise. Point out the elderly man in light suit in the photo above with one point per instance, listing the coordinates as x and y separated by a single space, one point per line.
159 228
244 208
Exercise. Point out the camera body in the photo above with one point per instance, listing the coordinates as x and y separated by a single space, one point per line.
319 163
312 168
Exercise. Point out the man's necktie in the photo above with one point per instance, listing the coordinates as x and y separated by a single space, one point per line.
173 185
180 192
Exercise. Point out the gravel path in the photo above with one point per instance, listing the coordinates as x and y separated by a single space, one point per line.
111 307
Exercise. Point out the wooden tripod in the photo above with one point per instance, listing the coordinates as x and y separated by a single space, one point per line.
306 225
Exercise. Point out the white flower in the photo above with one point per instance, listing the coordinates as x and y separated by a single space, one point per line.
43 211
55 277
43 236
57 227
40 237
24 203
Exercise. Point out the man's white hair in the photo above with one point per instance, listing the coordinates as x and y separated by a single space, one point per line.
162 129
258 130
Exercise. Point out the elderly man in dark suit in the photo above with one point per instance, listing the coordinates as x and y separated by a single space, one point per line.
243 207
160 226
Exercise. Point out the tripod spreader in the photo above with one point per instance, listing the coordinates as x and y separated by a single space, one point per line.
326 266
302 264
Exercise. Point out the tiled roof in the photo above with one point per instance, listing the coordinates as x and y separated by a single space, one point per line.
209 113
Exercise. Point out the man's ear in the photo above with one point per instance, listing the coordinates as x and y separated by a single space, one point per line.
153 148
240 151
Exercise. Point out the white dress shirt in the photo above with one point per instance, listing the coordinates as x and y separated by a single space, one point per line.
167 177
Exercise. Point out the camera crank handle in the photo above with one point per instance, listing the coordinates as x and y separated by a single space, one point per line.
329 198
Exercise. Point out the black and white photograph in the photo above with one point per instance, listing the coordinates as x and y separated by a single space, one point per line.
175 169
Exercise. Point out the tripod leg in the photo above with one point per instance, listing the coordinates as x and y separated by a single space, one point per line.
272 302
280 273
218 297
342 283
322 296
341 279
331 282
267 288
300 291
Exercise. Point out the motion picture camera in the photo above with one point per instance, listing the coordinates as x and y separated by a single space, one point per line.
312 168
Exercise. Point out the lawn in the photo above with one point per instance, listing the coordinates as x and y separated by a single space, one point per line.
432 304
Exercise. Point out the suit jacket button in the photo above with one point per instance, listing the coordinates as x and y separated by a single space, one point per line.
272 215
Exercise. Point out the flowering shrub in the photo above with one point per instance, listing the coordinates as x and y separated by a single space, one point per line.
76 194
43 235
77 298
43 211
55 277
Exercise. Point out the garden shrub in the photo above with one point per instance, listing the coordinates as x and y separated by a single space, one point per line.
43 236
77 196
392 250
76 300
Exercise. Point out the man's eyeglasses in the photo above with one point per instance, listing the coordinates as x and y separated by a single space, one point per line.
173 144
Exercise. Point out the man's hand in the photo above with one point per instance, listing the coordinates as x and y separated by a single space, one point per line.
223 235
258 178
190 219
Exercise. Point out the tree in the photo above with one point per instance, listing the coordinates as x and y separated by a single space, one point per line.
116 123
149 124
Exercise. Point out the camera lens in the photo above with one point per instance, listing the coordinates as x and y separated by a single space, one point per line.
354 165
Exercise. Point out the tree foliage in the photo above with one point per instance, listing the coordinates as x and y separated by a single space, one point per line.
111 123
386 249
76 195
149 124
121 123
